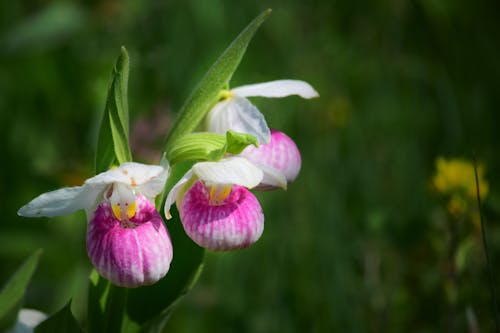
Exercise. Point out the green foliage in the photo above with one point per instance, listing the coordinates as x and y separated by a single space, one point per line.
113 144
401 83
61 322
12 294
206 93
205 146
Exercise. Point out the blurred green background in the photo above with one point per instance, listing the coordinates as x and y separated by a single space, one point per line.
360 242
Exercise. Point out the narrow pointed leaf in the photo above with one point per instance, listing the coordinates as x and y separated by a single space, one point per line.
206 93
13 291
113 145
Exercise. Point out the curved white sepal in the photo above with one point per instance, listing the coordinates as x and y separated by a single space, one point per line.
239 115
60 202
278 88
172 195
273 177
130 173
232 170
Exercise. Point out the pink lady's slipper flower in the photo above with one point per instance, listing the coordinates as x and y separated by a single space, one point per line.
126 239
236 113
279 159
216 208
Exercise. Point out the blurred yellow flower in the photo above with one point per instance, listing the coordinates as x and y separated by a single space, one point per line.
455 178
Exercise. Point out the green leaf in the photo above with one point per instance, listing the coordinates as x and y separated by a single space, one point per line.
113 145
205 146
195 146
151 305
206 93
236 142
61 322
13 291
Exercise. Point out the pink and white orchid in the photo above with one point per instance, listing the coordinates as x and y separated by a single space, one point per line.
236 113
126 239
217 210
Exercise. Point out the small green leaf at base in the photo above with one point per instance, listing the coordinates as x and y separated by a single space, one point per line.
61 322
13 292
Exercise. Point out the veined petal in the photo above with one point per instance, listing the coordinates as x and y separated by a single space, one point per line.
278 88
233 170
130 173
239 115
61 202
172 195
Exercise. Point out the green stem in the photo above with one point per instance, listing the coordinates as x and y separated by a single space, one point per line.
115 309
486 251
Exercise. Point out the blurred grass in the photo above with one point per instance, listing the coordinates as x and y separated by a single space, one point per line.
355 244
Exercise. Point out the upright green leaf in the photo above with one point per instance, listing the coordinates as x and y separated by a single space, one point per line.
13 292
206 93
113 143
61 322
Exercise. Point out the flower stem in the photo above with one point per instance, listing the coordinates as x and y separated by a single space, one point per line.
486 252
115 308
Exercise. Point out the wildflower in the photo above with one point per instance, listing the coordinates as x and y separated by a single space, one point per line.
236 113
217 210
454 179
279 159
457 175
126 239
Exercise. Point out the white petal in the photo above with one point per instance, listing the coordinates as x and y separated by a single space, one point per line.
172 195
239 115
279 88
154 185
61 202
272 177
27 320
130 173
233 170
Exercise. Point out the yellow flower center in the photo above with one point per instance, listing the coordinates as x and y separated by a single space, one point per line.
218 193
123 202
124 211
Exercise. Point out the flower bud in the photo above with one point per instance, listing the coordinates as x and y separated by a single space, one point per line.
221 220
130 252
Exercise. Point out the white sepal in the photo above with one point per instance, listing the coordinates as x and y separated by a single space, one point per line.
278 88
130 173
60 202
172 195
239 115
232 170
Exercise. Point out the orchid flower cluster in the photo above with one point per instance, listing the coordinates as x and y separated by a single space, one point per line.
127 241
